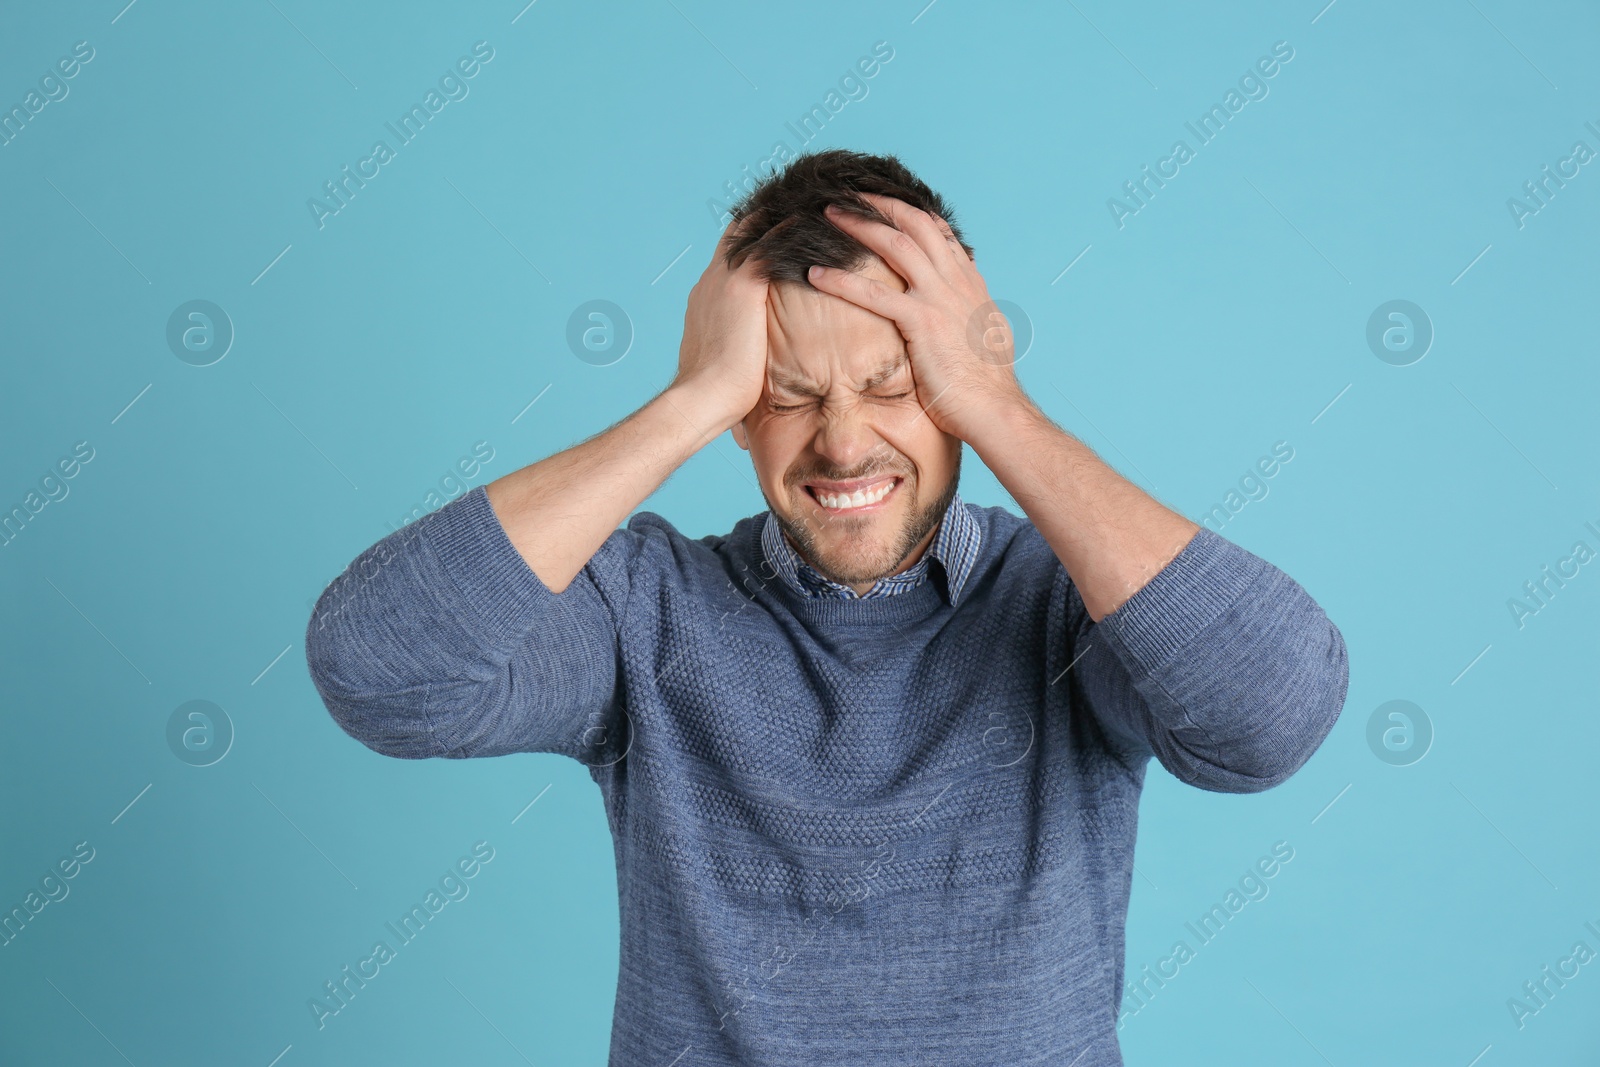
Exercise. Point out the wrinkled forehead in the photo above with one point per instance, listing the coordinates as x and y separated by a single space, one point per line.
818 342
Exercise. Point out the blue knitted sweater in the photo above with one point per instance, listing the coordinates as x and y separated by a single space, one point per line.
847 831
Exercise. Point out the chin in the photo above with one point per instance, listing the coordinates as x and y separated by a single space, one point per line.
859 549
852 567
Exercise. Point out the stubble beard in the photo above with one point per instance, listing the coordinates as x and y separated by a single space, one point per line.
848 567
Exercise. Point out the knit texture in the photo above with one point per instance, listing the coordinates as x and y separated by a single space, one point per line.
880 831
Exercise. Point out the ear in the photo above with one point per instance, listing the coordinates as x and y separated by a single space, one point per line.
739 437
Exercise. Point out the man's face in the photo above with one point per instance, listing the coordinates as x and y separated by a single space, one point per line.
856 474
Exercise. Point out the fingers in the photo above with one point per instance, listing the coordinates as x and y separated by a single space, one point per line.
730 236
736 225
948 243
919 222
742 273
864 292
908 246
914 221
930 234
952 242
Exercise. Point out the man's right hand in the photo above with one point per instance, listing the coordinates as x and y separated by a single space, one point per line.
723 355
559 511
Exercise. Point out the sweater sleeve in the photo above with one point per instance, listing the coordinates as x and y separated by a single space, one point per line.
1222 667
439 640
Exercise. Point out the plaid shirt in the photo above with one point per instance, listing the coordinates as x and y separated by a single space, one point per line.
955 546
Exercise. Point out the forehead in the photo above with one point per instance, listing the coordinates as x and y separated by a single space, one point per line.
817 341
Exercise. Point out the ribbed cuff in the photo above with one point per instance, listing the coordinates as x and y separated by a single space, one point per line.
1185 596
495 581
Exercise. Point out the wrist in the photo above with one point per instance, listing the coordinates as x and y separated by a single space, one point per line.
990 418
708 413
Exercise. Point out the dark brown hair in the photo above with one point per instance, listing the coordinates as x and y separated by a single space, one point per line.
788 232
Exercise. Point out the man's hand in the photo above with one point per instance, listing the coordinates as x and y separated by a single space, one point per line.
722 359
559 511
1110 535
960 346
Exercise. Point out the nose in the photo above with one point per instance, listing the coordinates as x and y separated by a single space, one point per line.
846 436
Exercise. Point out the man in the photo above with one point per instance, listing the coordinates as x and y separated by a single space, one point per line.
872 760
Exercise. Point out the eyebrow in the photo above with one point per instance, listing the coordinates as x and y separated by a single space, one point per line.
804 386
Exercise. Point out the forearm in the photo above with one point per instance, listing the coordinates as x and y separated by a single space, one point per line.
447 638
1111 536
1223 666
557 512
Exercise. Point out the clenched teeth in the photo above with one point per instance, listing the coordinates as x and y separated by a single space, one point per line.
858 499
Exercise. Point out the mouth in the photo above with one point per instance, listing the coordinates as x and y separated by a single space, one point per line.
856 497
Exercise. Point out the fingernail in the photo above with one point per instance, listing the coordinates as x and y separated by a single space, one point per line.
814 271
833 209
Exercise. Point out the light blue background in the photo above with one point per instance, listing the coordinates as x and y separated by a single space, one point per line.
1225 316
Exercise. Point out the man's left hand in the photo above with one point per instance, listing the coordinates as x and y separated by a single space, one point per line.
960 345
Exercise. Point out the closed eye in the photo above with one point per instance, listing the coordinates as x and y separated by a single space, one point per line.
783 409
